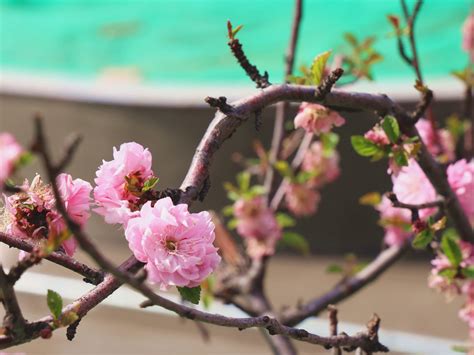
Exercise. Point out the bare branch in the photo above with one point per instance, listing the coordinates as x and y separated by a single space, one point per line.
14 322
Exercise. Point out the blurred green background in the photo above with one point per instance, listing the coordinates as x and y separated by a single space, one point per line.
184 41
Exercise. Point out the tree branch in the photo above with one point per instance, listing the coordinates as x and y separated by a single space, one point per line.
91 275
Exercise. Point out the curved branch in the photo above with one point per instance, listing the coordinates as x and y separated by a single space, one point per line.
343 290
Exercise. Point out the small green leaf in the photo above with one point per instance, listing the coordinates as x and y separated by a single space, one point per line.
370 199
449 273
400 157
334 269
190 294
295 241
150 184
243 181
305 176
24 159
257 190
285 220
69 318
236 30
363 146
283 168
450 248
468 272
422 239
55 303
228 210
460 348
232 224
391 128
330 141
317 68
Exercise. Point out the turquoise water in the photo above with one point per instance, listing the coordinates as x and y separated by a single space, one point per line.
184 41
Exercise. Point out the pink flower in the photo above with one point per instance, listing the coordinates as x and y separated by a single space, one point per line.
317 119
301 200
120 182
324 165
32 214
377 136
175 245
258 225
10 152
412 186
461 179
468 36
445 145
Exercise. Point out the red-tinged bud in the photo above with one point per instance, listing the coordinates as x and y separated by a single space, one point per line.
419 226
46 332
394 20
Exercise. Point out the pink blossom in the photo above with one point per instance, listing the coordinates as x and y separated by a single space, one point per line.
468 36
440 143
32 214
301 200
120 181
176 245
317 119
412 186
324 165
461 179
258 225
377 136
10 152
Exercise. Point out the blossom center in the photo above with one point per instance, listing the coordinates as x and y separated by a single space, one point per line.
171 245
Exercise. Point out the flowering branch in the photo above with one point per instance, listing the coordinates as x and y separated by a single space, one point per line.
396 203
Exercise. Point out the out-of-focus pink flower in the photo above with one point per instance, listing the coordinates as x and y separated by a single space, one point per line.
468 36
301 200
445 145
461 179
10 152
258 225
317 119
119 183
32 214
412 186
177 246
396 222
324 166
377 136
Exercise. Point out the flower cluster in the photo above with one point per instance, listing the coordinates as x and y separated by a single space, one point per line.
452 274
320 166
317 119
461 179
32 214
257 224
177 246
10 153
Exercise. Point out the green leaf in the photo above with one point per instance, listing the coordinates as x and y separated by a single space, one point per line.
295 241
330 141
55 303
450 248
243 181
24 159
370 199
449 273
236 30
150 184
69 318
460 348
190 294
284 168
391 128
228 210
257 190
334 269
317 68
400 157
468 272
363 146
285 220
422 239
305 176
232 224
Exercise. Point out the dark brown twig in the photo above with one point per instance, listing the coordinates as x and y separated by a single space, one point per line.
251 70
